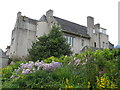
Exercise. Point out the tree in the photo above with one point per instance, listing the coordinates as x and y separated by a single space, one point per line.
52 44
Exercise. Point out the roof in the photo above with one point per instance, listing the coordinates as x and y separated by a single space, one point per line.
89 47
72 27
111 45
2 54
43 18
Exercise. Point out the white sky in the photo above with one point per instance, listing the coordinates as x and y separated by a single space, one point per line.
104 12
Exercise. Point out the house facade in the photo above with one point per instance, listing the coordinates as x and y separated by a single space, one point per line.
27 30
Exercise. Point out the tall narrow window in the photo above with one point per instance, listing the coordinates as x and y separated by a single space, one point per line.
94 44
82 42
93 30
103 44
70 40
106 45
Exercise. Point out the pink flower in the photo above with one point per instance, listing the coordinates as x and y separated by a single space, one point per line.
101 72
77 62
74 58
84 63
69 63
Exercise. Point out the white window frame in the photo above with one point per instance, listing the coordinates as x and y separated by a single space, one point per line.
70 40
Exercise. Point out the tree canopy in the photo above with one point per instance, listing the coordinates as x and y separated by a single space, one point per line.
52 44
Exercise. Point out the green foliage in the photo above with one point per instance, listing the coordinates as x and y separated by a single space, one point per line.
50 59
89 69
53 44
8 71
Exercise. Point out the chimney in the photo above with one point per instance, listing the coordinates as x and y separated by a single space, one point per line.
49 13
90 25
18 14
49 17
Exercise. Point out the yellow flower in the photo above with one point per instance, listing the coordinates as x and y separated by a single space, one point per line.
67 81
102 86
88 84
22 76
70 86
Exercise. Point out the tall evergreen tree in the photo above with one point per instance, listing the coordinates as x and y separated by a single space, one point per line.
52 44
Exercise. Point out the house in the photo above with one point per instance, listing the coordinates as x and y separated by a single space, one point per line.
27 30
3 59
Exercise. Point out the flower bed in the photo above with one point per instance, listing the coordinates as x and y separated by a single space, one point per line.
87 70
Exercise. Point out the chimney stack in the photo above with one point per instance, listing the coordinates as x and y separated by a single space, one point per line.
90 25
18 14
49 16
49 13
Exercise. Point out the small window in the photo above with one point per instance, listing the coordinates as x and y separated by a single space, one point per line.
94 44
93 30
103 44
82 42
106 45
12 41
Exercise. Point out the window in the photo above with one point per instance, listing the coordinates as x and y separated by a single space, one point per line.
94 44
82 42
70 40
12 41
106 45
103 44
93 30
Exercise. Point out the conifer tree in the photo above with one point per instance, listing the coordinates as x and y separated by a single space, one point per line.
52 44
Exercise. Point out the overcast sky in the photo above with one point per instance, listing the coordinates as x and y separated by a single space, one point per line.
104 12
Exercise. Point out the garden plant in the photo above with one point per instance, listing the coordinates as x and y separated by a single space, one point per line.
90 69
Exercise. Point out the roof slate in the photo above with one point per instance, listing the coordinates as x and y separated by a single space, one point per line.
72 27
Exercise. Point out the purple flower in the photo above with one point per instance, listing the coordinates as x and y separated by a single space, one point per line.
84 63
101 72
26 71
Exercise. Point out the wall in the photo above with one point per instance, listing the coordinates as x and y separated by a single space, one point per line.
104 38
42 28
99 38
24 34
77 44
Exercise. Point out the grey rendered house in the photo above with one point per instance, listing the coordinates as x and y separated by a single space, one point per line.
27 30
